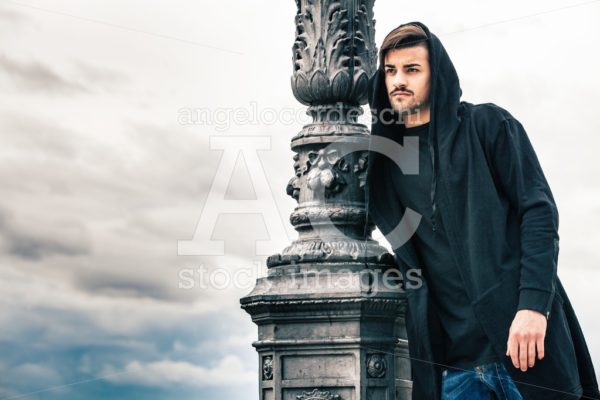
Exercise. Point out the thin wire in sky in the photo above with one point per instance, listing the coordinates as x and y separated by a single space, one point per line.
98 378
504 21
126 28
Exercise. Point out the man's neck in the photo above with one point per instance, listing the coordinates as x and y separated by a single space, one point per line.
415 119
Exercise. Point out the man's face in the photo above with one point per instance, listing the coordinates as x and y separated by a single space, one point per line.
407 77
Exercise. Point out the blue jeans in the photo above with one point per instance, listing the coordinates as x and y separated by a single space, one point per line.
484 382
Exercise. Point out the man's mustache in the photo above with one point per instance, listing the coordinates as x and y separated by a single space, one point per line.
401 91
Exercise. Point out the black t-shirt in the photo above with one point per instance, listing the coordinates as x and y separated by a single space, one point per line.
466 345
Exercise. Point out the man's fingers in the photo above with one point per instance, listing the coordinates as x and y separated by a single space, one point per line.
523 344
525 338
540 347
513 351
531 353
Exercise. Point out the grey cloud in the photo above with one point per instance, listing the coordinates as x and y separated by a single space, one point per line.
43 375
122 285
37 76
11 16
155 277
55 334
101 75
29 132
36 240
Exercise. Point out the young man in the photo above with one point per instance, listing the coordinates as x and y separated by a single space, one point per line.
491 319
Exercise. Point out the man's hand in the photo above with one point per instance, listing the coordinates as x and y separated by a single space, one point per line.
527 332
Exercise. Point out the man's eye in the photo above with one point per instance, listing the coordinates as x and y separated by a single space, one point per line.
412 70
389 71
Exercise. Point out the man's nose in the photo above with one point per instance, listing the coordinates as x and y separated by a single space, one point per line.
400 80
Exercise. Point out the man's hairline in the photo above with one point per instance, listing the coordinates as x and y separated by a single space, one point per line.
421 43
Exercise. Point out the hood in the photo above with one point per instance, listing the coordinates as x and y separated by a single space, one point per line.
444 101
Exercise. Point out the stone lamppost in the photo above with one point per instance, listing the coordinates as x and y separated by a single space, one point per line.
328 329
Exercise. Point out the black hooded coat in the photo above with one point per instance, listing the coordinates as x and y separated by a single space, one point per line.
502 224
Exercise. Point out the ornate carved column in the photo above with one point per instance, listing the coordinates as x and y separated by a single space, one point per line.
329 326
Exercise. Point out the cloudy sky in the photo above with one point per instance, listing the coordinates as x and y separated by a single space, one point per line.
103 172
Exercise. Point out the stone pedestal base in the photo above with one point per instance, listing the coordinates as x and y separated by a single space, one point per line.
329 336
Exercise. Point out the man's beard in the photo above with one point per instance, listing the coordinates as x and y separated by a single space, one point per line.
412 108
